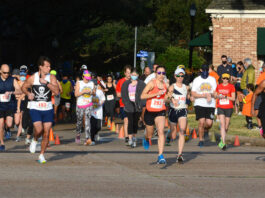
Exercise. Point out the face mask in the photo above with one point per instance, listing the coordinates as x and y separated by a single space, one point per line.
205 74
22 78
224 62
233 65
134 77
260 69
65 81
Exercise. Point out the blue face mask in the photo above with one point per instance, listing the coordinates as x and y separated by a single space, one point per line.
22 78
65 81
233 65
260 69
134 77
205 74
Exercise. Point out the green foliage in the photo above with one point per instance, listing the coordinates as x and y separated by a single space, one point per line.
175 56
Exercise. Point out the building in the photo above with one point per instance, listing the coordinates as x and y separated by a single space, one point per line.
238 30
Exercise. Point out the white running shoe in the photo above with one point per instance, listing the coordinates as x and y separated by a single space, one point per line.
97 138
130 142
41 159
27 141
32 147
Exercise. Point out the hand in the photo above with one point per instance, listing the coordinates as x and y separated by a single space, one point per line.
209 98
160 93
43 81
7 93
175 102
31 96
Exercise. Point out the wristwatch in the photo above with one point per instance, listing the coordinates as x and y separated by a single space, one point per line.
47 83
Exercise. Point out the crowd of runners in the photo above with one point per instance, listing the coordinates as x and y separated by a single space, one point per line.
34 102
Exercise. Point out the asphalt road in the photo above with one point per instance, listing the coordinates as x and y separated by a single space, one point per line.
111 169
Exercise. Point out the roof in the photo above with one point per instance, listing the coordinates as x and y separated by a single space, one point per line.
202 40
237 4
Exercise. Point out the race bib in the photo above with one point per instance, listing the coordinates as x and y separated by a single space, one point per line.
110 97
4 98
42 105
132 96
68 105
157 103
181 99
85 101
224 102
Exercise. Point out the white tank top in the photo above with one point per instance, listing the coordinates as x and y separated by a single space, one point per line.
85 100
180 94
42 94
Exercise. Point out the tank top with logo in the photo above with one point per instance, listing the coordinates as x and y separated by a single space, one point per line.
179 93
85 100
42 94
156 103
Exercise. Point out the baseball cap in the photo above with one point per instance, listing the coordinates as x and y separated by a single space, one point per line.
15 72
179 70
84 67
181 66
205 67
87 75
225 75
23 67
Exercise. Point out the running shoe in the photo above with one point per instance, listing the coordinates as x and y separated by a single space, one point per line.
77 139
180 159
126 139
161 159
261 132
221 145
27 141
92 143
201 144
8 134
2 147
130 142
97 138
146 144
32 147
42 159
224 147
134 143
18 139
168 141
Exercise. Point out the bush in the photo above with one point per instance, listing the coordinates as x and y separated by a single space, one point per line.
175 56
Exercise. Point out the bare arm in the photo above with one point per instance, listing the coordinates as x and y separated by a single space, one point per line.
259 90
53 85
196 95
17 88
27 85
146 95
60 87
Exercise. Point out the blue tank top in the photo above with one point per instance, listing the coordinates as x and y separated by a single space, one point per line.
7 85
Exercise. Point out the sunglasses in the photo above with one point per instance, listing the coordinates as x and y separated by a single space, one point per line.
180 76
225 78
161 73
5 72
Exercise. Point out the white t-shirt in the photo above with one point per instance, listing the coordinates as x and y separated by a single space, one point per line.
85 99
98 101
153 76
180 94
201 86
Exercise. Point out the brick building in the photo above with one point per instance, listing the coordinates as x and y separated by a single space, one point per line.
238 30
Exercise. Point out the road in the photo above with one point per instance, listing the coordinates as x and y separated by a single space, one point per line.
111 169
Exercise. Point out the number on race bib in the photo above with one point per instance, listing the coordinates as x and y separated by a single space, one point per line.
110 97
157 103
224 102
42 105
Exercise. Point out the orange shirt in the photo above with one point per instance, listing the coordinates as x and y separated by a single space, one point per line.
215 75
260 78
247 106
118 89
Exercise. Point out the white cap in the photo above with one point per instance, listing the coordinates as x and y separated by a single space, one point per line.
179 70
23 67
84 67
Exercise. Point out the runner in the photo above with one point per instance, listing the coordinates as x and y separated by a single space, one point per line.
203 89
97 113
110 97
83 92
178 111
225 94
127 72
130 92
42 85
155 113
8 88
57 98
65 102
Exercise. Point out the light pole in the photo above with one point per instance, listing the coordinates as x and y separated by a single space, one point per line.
192 15
135 47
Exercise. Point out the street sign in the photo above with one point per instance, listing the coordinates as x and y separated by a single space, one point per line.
142 55
143 52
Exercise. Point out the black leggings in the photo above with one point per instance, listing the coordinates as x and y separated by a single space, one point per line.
27 122
110 108
133 119
95 127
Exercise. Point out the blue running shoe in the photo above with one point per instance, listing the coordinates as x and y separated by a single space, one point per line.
161 159
2 148
8 135
201 144
146 144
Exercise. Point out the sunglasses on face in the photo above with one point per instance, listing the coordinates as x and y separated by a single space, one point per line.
161 73
5 72
225 79
180 76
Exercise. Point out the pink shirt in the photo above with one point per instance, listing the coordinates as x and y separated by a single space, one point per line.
132 91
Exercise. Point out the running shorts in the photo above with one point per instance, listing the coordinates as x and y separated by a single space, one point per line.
204 112
149 117
175 114
41 116
226 112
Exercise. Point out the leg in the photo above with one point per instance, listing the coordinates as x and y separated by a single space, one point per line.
125 125
173 130
201 128
136 117
2 125
87 122
223 127
38 128
160 124
182 127
79 120
130 119
93 122
45 137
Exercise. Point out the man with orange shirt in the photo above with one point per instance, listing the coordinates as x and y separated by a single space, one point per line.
127 73
213 73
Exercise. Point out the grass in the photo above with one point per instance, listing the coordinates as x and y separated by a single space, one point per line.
237 126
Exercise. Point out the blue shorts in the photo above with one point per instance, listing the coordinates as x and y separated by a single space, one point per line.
42 116
174 114
123 113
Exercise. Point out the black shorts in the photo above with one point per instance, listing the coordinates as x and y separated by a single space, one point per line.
257 102
175 114
226 112
204 112
149 117
7 113
64 101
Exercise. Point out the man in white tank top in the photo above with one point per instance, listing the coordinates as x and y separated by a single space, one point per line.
42 85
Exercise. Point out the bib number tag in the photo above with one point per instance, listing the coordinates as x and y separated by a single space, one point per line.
110 97
68 105
4 98
157 103
42 105
224 102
